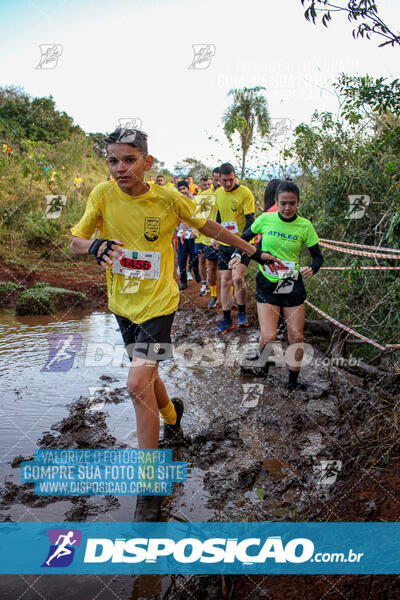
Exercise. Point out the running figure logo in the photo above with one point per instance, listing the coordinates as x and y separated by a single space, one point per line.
63 347
252 392
286 284
358 206
279 129
61 551
130 123
50 55
203 54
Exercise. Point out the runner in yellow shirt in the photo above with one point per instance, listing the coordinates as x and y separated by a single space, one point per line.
137 222
236 208
208 256
216 178
78 181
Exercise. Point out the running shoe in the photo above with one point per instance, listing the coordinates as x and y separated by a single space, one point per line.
189 276
212 302
203 290
174 433
225 325
256 371
254 365
293 385
242 320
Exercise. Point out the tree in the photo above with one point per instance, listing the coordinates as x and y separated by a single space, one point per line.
366 96
247 114
98 143
364 10
191 166
36 119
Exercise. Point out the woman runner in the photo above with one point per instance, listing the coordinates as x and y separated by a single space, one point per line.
283 234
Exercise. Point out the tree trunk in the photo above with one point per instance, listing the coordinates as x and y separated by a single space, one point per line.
243 162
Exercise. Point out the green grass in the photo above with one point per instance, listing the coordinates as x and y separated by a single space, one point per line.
42 299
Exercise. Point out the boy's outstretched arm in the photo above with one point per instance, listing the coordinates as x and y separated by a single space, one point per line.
218 232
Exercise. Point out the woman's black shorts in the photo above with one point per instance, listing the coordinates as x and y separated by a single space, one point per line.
285 292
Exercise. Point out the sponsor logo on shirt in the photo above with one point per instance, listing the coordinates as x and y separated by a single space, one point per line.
151 228
283 235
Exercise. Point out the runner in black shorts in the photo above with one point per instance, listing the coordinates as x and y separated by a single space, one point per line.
138 221
283 233
151 339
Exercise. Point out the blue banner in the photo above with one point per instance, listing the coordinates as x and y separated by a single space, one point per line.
200 548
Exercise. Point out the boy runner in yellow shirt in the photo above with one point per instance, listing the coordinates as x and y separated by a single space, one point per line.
138 222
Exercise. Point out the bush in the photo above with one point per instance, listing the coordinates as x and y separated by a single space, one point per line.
42 299
39 231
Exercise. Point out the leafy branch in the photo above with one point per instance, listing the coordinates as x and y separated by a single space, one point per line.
364 10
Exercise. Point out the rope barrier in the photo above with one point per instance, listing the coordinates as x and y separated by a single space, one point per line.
360 252
352 331
360 245
360 268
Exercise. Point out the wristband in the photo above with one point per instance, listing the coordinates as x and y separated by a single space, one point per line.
95 247
257 257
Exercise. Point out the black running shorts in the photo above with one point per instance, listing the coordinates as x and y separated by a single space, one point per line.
150 340
285 292
225 255
210 253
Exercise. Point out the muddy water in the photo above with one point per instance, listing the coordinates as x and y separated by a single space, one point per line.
252 453
34 400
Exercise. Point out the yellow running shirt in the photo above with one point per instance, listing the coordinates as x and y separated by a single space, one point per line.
143 223
206 207
233 208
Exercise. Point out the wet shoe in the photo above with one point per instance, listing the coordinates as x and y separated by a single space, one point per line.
212 303
203 290
189 276
256 371
242 320
183 286
293 386
148 508
225 325
252 365
174 433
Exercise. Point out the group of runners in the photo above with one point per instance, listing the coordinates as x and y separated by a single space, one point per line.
138 221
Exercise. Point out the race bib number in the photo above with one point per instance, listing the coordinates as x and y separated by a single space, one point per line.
283 272
231 226
145 265
188 233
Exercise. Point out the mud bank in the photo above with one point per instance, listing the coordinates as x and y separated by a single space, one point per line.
84 427
258 456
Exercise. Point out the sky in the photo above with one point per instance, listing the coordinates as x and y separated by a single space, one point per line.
131 59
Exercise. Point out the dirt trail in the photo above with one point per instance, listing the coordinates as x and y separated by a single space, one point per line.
260 457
